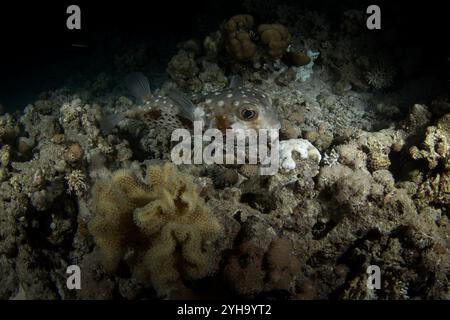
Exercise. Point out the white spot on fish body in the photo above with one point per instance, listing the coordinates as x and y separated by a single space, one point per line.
221 103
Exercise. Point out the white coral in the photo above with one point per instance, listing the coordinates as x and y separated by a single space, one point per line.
303 73
305 149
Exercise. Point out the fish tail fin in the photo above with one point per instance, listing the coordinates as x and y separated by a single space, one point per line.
138 86
185 105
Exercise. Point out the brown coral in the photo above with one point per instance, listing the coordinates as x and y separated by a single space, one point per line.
239 22
239 43
298 58
164 223
282 265
74 152
244 271
276 38
252 270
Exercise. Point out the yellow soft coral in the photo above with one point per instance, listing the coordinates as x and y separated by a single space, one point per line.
165 223
113 222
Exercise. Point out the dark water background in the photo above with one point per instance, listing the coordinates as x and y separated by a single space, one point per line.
37 52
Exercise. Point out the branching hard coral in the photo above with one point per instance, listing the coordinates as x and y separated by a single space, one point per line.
165 222
378 158
435 150
436 145
76 182
276 38
9 129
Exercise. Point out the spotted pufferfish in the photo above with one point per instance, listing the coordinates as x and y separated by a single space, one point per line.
236 107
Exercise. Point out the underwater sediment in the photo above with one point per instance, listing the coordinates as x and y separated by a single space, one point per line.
86 176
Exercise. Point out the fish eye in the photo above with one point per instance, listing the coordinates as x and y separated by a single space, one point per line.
248 114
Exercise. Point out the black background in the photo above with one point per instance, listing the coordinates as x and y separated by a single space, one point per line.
33 34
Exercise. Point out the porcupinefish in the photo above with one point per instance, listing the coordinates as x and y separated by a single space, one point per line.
234 108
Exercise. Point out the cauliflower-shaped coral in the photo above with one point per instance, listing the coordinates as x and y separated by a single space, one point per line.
276 38
239 43
183 69
165 223
239 22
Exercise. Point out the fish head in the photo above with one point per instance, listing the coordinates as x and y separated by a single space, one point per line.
240 108
254 110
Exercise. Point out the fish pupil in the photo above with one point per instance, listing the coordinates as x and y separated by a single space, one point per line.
248 114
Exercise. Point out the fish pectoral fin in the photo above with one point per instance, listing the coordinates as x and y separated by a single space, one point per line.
236 81
185 105
138 86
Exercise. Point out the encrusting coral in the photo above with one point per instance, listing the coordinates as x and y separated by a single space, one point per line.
165 222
